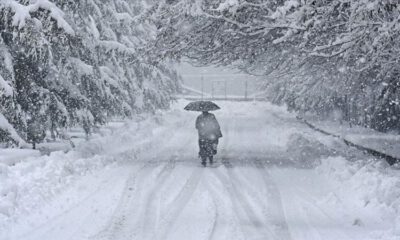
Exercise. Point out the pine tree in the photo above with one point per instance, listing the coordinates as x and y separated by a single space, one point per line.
75 63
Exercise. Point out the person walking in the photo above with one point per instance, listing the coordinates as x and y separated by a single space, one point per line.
208 128
209 134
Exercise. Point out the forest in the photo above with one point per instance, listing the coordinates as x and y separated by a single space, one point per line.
67 63
321 57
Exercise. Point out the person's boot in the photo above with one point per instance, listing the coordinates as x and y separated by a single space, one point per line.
204 162
211 159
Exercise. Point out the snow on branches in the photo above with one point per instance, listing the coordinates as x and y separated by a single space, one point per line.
22 13
5 88
313 55
65 58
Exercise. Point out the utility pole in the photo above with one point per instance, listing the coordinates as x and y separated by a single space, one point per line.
202 87
245 90
226 93
212 90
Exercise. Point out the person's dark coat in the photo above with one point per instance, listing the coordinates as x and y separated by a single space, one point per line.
208 127
209 133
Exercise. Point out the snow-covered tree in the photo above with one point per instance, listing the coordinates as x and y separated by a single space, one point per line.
314 55
70 62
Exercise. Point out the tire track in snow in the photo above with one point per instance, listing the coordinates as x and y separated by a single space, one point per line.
129 182
168 221
135 210
216 219
225 220
239 200
146 224
238 185
278 217
250 222
118 220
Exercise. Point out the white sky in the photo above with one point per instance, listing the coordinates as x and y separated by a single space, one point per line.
217 75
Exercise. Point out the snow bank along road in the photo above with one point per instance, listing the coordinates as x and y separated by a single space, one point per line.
274 179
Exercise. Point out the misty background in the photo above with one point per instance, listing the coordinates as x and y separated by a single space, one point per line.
217 76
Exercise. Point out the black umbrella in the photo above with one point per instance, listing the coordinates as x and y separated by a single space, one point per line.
202 106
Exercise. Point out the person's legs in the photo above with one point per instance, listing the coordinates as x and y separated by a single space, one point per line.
215 146
207 150
203 151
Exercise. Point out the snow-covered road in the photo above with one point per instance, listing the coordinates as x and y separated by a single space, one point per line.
268 183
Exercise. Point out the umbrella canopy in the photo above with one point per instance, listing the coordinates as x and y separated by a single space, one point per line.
202 106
